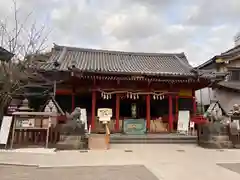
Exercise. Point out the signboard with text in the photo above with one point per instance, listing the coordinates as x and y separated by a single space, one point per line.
104 114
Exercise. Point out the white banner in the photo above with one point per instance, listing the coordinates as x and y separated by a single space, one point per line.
5 129
83 118
183 121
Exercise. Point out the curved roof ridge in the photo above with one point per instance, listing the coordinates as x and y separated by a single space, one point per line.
72 48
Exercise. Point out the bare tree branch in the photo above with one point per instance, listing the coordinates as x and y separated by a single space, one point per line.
25 42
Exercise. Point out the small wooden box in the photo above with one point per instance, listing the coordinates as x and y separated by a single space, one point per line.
98 142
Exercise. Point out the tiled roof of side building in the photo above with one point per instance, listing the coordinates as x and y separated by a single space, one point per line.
104 61
5 55
225 55
235 85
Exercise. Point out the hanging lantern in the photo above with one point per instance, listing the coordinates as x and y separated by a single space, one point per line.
160 97
137 96
102 94
154 97
131 96
127 95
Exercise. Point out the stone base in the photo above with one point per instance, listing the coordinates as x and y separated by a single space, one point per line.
216 142
71 143
98 141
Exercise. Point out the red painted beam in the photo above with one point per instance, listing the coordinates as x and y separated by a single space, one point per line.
63 92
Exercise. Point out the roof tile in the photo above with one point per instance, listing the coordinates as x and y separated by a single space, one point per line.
103 61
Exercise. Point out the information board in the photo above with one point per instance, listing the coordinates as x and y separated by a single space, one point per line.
134 126
104 114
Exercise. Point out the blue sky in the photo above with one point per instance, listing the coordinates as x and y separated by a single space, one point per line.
200 28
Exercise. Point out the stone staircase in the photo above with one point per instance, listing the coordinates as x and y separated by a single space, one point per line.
153 139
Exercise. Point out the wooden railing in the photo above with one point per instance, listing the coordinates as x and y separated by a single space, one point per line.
31 137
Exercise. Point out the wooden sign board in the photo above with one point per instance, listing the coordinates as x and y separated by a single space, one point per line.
104 114
28 123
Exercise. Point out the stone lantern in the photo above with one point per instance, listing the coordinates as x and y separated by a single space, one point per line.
25 106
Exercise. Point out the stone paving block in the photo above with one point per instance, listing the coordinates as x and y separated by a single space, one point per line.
235 167
131 172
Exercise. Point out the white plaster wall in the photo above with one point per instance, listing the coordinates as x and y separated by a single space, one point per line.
207 95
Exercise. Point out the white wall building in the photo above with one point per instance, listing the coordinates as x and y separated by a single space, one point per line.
204 96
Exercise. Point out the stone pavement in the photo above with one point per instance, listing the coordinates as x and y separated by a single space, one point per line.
133 172
168 162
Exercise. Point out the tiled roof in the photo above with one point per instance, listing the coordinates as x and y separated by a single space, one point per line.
212 74
227 55
233 51
104 61
235 85
206 63
5 55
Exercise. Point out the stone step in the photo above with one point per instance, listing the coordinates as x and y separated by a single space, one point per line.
153 141
141 139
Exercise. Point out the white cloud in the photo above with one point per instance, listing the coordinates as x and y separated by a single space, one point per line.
200 28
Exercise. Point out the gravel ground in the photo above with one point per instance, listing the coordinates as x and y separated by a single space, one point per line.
128 172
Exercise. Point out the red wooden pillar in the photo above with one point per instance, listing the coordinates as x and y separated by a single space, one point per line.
194 103
170 114
73 100
93 109
117 112
176 108
148 112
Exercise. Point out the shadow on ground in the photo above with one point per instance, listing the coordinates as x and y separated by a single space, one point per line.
235 167
130 172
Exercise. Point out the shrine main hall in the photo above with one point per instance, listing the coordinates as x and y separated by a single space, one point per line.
149 88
